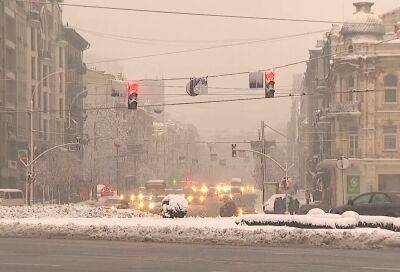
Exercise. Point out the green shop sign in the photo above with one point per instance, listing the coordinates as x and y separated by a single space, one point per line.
353 185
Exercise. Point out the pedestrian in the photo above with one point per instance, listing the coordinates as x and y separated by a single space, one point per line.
291 205
296 206
308 197
276 205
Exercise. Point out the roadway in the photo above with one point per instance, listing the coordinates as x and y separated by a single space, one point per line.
75 255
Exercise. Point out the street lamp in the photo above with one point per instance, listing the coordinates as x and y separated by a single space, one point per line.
29 183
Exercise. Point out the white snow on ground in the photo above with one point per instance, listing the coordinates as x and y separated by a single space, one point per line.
186 230
74 211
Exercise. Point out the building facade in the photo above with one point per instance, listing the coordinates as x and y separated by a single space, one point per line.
352 109
33 70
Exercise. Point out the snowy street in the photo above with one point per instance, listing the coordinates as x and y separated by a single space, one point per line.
65 255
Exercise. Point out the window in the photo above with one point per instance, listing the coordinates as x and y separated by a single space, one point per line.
45 73
380 198
33 68
45 102
60 57
353 148
61 81
364 199
33 96
45 129
350 87
39 98
351 49
33 39
61 108
389 137
390 85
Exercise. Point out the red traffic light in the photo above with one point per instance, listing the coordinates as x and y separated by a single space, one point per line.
270 76
133 87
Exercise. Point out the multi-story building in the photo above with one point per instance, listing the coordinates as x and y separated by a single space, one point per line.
13 71
75 91
352 109
33 69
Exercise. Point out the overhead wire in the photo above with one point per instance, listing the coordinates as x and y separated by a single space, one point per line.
206 48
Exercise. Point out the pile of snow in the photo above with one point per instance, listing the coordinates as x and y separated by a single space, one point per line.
174 206
193 230
67 211
316 212
317 218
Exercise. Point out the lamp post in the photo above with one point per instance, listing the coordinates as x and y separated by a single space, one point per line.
29 175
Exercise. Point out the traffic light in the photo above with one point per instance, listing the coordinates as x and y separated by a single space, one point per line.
234 150
133 89
286 183
269 84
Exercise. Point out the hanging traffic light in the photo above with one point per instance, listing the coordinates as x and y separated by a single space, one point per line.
133 89
269 84
234 151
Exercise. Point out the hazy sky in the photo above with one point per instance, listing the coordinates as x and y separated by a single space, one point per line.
196 32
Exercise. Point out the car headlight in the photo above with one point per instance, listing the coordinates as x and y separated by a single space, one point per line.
202 198
190 198
151 205
240 212
140 196
113 208
141 205
132 198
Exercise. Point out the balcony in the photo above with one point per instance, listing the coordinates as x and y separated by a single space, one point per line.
344 109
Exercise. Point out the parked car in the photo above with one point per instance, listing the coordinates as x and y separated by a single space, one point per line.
374 203
11 197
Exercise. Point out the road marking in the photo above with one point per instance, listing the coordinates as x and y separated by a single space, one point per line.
381 268
31 264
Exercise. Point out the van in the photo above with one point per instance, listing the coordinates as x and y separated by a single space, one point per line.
11 197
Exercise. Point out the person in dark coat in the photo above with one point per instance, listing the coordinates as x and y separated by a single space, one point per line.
291 205
296 206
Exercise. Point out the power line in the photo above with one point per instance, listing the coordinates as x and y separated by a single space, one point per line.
206 48
186 103
152 40
199 14
269 68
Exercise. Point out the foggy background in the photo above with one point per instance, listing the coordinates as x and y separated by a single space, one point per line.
180 32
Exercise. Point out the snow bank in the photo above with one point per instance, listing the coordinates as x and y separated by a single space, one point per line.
319 220
67 211
193 230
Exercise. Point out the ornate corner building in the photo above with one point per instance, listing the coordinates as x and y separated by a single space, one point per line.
352 109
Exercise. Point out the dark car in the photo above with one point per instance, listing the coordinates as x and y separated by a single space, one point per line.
375 203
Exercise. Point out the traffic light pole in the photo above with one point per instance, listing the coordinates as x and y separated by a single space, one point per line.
285 169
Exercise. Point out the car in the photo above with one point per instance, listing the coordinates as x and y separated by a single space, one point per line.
269 204
373 203
115 203
11 197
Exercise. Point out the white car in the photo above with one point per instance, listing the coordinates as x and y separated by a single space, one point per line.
269 204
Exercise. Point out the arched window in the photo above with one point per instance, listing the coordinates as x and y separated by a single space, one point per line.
390 84
350 87
350 49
